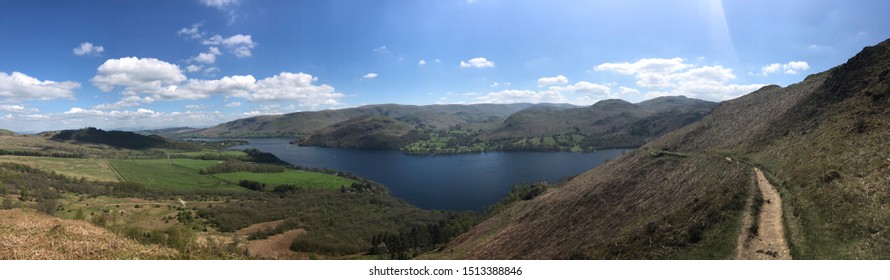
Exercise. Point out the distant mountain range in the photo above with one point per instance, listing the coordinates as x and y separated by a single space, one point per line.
823 143
473 128
301 123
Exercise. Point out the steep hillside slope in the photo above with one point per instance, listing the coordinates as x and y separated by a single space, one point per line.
822 143
28 235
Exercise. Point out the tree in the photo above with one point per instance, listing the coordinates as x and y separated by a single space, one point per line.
48 206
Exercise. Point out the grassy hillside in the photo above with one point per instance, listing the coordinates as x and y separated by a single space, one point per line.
120 139
366 132
300 123
174 203
822 142
606 124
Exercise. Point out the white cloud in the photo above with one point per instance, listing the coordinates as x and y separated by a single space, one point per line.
233 104
19 109
226 86
128 101
421 62
627 91
516 96
193 32
194 68
494 84
227 6
88 48
381 49
211 71
674 77
792 67
478 62
437 60
137 75
369 76
240 45
297 87
18 86
207 58
548 81
220 4
646 65
146 80
586 88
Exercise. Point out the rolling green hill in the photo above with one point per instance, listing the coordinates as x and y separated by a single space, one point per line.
606 124
822 142
301 123
120 139
366 132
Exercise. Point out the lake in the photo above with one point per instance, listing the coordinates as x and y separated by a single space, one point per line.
452 182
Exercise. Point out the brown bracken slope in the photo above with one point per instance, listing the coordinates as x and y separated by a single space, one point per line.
28 235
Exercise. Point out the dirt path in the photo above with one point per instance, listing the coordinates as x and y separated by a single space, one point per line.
769 242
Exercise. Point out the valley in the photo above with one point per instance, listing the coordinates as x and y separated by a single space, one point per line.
796 172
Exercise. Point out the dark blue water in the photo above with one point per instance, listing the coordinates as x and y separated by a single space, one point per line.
454 182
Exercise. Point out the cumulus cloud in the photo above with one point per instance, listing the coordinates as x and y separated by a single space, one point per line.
87 48
18 86
478 62
207 58
675 77
369 76
791 68
193 68
19 109
239 45
193 32
233 104
297 87
548 81
137 75
146 80
421 62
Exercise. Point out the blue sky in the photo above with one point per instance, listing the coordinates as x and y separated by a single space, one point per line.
151 64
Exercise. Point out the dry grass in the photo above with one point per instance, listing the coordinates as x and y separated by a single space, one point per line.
27 235
259 227
275 247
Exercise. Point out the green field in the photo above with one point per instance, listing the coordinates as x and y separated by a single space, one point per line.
88 168
160 173
292 177
196 164
233 154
